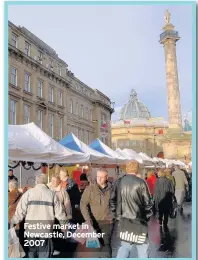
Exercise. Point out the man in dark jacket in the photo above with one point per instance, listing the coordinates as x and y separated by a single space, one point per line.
163 195
132 204
95 209
11 175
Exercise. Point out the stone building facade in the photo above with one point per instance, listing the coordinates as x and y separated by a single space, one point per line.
43 90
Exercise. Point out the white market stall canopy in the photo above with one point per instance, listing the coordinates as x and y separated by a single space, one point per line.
103 148
72 142
133 155
146 159
121 153
29 143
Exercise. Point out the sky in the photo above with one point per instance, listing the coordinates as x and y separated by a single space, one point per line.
116 48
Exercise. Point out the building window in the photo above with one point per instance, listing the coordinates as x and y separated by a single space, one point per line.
27 48
82 111
51 125
79 133
91 115
40 56
85 137
51 64
40 119
103 118
51 94
60 98
88 137
14 40
77 108
86 113
27 82
102 139
13 76
60 128
13 112
82 135
71 106
59 71
26 114
40 88
134 142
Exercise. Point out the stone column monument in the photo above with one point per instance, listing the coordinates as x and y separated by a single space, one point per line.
176 143
169 38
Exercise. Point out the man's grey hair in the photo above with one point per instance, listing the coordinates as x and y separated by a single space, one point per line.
41 179
102 170
14 184
177 167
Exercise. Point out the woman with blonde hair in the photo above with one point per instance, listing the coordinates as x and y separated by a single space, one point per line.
163 193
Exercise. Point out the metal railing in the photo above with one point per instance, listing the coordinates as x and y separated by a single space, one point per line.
169 34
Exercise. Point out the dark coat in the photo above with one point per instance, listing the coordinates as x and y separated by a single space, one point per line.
163 193
74 195
131 199
12 178
94 203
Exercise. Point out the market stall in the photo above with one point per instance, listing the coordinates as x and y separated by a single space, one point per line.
114 170
30 148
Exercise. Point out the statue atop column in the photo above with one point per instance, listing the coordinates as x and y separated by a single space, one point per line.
167 17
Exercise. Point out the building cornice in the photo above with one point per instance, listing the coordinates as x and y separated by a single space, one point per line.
37 42
11 93
72 89
49 73
105 106
45 70
79 122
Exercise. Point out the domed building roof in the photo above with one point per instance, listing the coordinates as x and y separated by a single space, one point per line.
134 109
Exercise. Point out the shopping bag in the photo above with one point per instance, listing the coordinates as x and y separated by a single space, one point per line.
15 250
92 242
77 235
173 209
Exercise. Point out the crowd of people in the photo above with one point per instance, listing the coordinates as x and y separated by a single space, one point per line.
130 202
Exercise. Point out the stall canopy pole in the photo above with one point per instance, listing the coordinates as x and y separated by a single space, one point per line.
48 177
20 175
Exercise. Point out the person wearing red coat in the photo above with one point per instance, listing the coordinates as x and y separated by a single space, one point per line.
151 180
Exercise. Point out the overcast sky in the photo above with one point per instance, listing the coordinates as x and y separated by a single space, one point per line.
116 48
